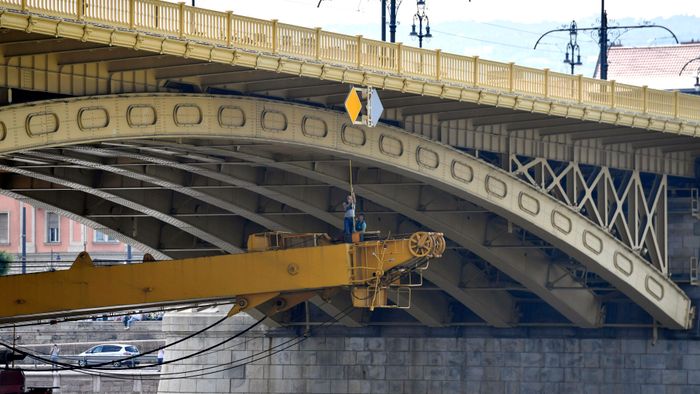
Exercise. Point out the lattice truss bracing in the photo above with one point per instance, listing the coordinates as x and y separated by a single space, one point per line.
628 204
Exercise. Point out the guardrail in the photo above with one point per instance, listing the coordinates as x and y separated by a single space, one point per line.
228 29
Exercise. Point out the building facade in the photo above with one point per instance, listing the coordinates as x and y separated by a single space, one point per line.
53 241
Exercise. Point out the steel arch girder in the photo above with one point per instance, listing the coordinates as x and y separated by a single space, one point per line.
229 179
135 116
496 307
176 187
182 225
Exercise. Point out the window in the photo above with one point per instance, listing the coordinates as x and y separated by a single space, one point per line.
4 227
102 237
111 348
52 227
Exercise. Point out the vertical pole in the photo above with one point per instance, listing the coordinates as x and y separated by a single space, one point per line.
359 51
24 5
612 94
603 41
132 13
229 22
275 35
399 57
476 70
580 88
318 43
438 66
420 32
383 20
511 77
182 18
128 253
546 82
79 9
392 20
24 239
676 102
645 102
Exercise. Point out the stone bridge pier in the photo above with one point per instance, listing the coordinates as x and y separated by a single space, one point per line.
418 360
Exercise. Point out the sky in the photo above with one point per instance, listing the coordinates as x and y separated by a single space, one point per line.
502 30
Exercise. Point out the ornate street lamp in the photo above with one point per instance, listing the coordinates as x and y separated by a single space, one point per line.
421 20
573 48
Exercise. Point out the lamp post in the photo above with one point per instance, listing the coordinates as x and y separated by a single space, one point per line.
697 75
420 19
572 48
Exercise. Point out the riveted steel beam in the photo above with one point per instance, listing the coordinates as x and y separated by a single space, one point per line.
136 206
225 178
180 188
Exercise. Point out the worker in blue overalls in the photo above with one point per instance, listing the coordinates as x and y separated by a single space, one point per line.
361 226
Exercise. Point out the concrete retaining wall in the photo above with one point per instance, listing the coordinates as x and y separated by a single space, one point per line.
433 365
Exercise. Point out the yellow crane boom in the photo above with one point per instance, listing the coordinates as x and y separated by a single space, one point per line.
280 267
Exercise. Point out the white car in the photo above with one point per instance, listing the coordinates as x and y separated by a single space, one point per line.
108 352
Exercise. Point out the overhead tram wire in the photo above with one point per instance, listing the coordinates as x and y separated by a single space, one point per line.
490 41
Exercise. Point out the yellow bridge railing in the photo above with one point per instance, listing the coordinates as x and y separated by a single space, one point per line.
228 29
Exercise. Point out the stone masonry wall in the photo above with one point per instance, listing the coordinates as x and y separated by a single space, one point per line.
433 365
683 238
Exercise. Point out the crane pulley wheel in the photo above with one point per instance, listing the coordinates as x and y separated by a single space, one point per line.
440 244
421 244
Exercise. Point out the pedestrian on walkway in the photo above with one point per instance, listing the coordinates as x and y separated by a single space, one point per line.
55 350
161 356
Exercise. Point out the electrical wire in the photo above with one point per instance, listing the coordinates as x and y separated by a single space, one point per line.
491 42
83 317
67 366
265 353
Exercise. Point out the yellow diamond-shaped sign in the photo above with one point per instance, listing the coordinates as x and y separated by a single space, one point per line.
353 105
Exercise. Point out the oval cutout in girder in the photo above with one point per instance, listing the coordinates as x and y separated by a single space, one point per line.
495 186
654 287
41 123
390 146
187 115
271 120
528 204
231 116
91 118
592 242
314 127
141 115
461 172
427 158
353 136
561 222
623 264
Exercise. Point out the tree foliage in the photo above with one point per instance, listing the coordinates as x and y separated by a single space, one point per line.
5 261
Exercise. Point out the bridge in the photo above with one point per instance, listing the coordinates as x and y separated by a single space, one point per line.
182 130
